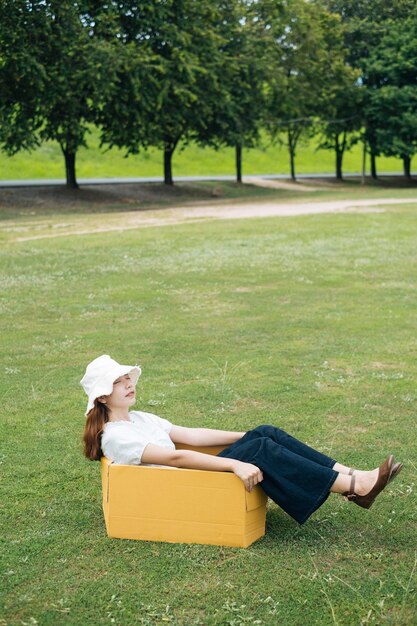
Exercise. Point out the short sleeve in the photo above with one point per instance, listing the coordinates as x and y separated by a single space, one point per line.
166 425
126 448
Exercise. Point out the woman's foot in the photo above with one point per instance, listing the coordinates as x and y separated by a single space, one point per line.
366 486
365 481
368 479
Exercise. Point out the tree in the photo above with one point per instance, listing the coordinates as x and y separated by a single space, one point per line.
340 117
365 24
392 103
75 73
22 77
178 42
237 106
297 88
81 70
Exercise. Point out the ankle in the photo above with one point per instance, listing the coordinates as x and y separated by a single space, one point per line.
364 482
342 469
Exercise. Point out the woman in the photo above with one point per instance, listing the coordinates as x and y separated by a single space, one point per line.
298 478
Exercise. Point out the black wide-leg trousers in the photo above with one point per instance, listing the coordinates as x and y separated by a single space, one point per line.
296 477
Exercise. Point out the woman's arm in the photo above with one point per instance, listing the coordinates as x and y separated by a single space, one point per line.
189 459
203 436
186 458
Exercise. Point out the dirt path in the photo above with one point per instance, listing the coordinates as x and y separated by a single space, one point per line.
282 184
110 222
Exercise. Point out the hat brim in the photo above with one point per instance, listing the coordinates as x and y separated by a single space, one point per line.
105 386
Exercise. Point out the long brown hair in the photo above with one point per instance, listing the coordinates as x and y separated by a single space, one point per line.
93 430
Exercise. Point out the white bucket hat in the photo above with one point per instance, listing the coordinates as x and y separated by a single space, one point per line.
100 375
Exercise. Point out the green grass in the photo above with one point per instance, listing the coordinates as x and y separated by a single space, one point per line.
307 323
47 161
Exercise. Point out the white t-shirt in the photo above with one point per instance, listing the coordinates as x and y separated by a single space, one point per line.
123 442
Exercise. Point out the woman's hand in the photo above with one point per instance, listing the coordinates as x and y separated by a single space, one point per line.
250 474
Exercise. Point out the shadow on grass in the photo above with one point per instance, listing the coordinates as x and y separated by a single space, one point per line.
113 198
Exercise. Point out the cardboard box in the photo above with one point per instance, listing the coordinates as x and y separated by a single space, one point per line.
181 505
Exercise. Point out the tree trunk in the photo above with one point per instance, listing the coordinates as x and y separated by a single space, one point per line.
70 169
363 177
407 165
373 165
168 152
292 160
238 163
340 150
339 160
291 148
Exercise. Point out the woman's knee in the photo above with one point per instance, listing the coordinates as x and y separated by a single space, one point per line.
268 430
264 451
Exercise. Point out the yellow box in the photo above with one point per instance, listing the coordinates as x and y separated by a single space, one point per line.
181 505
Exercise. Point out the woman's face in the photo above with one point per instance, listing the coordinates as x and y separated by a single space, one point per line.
123 395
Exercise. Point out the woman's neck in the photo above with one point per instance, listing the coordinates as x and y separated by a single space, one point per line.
119 416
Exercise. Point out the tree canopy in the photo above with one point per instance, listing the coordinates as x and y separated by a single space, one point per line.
167 72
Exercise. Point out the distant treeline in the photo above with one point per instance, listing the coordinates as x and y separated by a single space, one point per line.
157 73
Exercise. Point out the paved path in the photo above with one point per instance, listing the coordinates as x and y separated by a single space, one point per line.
45 228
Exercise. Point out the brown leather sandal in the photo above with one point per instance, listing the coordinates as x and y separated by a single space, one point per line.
366 501
396 469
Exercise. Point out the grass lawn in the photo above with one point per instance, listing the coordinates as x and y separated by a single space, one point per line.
304 322
93 162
